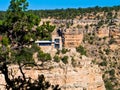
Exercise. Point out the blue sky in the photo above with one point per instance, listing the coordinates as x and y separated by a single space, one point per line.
57 4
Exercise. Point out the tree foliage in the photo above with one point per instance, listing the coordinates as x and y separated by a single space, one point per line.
45 31
5 41
19 23
18 34
43 56
71 13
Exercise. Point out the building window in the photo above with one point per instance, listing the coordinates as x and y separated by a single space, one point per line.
44 44
57 46
57 40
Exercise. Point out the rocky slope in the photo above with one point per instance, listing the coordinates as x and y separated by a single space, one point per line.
80 74
86 76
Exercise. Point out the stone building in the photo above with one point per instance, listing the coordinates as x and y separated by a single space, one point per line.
52 45
68 38
72 37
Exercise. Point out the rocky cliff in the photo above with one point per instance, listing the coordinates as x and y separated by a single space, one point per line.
85 76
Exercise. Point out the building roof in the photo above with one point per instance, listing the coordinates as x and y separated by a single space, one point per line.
43 41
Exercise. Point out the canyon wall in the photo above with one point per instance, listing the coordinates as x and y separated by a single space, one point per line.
85 76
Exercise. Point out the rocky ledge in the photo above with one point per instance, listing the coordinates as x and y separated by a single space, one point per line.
85 76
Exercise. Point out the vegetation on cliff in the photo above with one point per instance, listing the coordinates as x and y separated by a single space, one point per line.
71 13
19 29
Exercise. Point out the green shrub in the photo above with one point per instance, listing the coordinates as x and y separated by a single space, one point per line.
47 56
112 72
5 41
104 38
104 63
73 62
43 56
65 59
107 51
112 40
94 61
113 79
100 23
81 50
108 85
58 51
64 51
56 58
100 51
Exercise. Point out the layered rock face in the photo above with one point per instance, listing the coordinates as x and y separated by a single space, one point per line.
83 77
